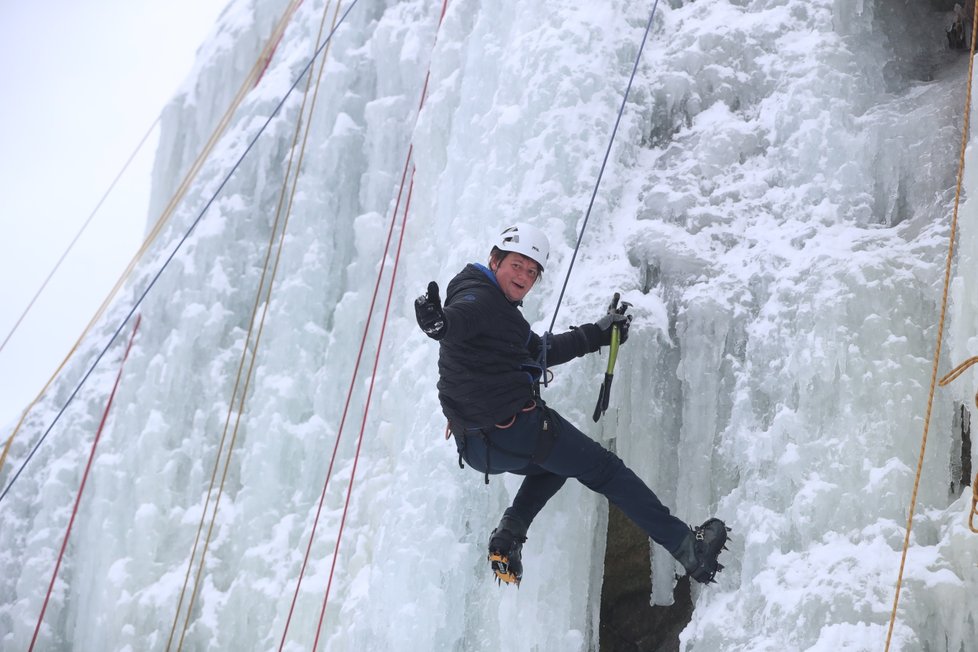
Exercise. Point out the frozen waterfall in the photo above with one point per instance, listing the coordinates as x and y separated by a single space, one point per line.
776 207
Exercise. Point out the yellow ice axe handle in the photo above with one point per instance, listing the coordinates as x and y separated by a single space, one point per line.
604 396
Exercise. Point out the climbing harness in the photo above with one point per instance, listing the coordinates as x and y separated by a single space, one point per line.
168 260
544 444
604 395
940 333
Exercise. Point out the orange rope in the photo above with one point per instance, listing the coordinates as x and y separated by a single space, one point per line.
408 167
940 332
946 380
366 410
6 447
262 297
974 505
957 371
255 73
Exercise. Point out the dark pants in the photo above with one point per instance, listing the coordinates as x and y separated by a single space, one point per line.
574 455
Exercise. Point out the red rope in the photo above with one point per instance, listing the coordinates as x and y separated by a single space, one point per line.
366 410
81 488
427 76
349 394
356 368
271 54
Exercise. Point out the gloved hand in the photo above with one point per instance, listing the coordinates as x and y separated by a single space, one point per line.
605 323
431 318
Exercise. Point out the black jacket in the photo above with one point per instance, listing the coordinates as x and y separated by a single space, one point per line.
489 360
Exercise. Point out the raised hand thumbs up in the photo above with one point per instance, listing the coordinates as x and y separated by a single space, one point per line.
430 316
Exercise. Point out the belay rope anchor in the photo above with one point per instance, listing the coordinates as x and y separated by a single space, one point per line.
604 394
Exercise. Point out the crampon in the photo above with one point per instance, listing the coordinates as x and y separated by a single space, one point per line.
504 570
699 552
505 556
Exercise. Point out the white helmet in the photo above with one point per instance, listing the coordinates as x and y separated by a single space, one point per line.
527 240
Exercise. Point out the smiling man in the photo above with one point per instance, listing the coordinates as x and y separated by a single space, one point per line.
490 365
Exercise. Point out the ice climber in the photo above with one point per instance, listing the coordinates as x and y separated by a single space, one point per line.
490 365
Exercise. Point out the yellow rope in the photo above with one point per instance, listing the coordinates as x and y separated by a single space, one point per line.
940 331
6 450
188 178
957 371
263 296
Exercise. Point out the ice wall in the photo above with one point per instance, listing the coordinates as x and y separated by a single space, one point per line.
776 207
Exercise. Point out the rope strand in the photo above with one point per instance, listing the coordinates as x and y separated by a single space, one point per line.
947 380
250 81
949 262
84 480
607 153
81 231
366 410
262 297
408 165
171 256
346 406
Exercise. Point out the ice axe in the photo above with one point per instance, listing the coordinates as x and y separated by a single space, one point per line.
604 396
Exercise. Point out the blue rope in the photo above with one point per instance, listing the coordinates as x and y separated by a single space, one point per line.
169 259
607 153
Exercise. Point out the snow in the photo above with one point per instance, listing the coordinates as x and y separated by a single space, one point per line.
776 208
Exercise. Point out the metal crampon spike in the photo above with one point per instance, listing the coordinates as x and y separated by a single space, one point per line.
500 566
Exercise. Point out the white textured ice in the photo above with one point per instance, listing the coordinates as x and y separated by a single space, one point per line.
776 207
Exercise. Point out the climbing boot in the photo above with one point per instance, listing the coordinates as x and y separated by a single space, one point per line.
699 550
505 550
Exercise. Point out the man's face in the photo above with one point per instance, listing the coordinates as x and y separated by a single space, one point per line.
516 274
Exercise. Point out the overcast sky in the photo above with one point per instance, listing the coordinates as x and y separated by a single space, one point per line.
81 83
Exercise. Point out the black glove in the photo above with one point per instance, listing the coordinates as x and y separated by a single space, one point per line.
431 318
611 319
